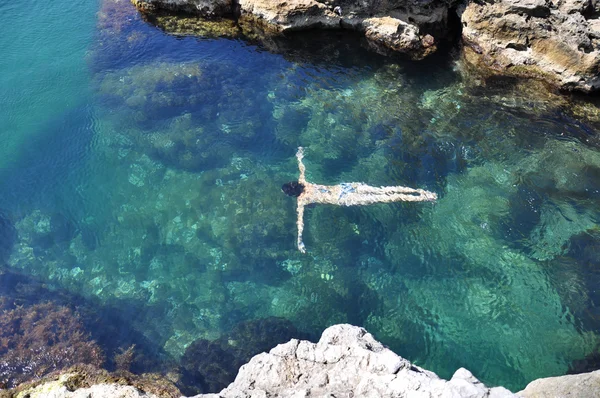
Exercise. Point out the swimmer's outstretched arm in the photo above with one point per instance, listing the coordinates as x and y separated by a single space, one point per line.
300 156
300 224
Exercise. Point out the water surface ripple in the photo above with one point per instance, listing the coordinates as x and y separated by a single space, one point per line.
142 171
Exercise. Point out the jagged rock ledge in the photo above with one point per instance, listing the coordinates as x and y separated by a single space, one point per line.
556 41
408 28
347 361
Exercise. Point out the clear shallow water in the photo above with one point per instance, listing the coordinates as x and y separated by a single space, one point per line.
143 171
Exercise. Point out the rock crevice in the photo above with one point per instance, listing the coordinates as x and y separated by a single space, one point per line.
549 40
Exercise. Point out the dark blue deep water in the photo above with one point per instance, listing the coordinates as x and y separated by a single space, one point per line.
141 172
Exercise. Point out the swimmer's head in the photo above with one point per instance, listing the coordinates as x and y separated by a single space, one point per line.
293 188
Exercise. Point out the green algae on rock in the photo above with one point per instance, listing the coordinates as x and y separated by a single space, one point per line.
92 381
155 85
186 24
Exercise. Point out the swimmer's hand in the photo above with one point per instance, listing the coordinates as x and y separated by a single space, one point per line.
300 153
301 247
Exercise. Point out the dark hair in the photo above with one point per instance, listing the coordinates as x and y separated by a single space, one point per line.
293 188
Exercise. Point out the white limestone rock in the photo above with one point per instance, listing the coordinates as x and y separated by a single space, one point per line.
347 361
585 385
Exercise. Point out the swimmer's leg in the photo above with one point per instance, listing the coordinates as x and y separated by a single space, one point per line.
367 189
419 195
412 195
365 194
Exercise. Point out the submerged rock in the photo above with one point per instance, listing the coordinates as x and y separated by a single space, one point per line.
212 365
185 115
8 236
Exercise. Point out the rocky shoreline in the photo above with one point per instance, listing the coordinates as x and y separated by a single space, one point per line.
556 41
347 361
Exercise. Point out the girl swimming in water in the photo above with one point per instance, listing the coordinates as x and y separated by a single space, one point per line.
345 194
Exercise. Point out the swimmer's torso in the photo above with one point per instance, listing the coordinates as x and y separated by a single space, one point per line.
328 194
356 193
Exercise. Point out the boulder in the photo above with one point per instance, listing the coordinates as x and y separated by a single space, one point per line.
555 41
390 35
585 385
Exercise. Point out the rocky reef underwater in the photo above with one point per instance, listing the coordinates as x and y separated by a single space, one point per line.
169 248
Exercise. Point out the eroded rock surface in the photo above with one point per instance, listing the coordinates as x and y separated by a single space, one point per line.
60 389
290 15
554 40
410 27
557 41
347 361
387 35
88 381
205 8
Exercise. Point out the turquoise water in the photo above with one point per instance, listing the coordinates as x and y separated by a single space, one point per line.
142 172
